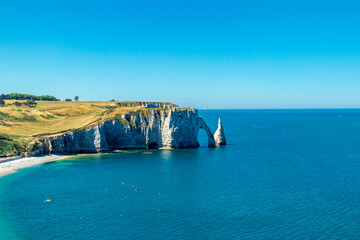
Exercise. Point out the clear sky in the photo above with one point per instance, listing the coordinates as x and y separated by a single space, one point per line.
205 54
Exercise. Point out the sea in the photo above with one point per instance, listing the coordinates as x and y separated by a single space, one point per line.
285 174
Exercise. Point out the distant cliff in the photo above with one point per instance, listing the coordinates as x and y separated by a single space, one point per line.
171 128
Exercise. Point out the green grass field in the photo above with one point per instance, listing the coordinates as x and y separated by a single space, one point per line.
21 125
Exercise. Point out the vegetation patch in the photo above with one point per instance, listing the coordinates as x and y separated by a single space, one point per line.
47 116
3 115
25 118
9 146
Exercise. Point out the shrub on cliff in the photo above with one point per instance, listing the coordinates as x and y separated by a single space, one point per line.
30 103
9 146
18 104
2 103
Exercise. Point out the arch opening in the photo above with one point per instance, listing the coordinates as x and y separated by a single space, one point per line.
203 138
153 145
211 140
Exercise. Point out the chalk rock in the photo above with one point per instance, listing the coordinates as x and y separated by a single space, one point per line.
220 135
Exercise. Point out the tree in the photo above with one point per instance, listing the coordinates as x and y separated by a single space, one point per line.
30 103
22 96
76 98
68 99
18 104
2 103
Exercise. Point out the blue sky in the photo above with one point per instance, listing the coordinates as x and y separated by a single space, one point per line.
204 54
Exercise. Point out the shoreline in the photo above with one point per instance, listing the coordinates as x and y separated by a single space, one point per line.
11 165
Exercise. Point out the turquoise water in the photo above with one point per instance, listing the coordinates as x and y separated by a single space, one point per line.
286 174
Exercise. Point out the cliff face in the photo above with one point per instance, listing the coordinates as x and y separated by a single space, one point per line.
174 129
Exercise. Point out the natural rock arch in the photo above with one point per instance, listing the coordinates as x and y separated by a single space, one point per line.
203 125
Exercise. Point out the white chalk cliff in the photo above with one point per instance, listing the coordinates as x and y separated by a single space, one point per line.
174 128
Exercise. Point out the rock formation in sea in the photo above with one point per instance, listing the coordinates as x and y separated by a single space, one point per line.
220 135
172 128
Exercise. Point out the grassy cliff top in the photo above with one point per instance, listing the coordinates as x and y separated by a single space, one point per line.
19 125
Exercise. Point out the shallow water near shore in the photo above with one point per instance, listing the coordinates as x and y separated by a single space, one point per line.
285 174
